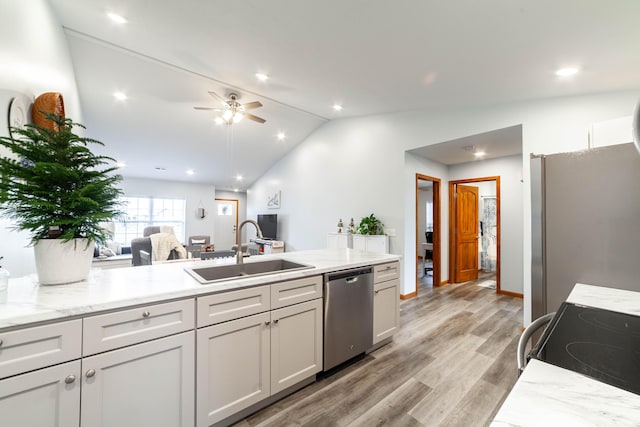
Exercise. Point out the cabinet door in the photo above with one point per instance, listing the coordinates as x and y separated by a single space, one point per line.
232 367
359 242
149 384
378 244
296 344
385 310
48 397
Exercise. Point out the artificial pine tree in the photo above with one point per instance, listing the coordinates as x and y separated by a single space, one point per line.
54 186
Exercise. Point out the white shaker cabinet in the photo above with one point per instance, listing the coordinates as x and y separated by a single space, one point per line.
339 240
386 301
296 344
379 243
243 361
232 367
148 384
48 397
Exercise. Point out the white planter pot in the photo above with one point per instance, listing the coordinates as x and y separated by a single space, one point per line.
59 262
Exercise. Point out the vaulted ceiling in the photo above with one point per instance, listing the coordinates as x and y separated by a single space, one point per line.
370 56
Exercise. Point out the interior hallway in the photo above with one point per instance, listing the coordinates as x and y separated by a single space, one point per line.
451 364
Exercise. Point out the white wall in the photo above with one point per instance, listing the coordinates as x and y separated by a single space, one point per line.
352 167
196 196
509 169
35 59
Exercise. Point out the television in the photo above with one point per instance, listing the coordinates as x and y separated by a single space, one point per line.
269 225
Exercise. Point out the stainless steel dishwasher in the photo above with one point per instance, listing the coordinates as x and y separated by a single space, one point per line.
348 315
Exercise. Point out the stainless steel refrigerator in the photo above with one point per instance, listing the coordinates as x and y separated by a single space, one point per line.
585 223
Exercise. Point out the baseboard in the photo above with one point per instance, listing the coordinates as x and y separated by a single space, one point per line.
445 282
407 296
510 294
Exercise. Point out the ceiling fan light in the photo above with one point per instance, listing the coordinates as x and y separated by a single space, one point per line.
237 117
227 115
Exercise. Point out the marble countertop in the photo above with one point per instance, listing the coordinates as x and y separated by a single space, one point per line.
548 395
26 302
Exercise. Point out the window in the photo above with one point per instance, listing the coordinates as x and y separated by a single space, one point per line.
141 212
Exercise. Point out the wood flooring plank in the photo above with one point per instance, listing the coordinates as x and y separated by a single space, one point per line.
393 409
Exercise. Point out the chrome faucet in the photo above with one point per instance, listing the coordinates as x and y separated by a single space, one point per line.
239 253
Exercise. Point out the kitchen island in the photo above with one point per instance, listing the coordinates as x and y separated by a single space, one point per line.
152 346
549 395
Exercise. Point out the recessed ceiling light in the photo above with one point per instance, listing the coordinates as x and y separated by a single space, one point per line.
190 172
236 190
161 169
479 153
565 72
121 164
281 136
118 19
262 77
337 107
239 177
120 96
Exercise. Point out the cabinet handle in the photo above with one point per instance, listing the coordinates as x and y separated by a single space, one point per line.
376 292
276 321
70 379
146 313
267 323
90 373
0 343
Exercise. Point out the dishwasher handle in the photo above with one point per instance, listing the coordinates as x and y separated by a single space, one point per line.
348 274
352 279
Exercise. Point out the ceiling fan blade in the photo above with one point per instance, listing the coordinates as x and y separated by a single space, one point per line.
218 97
205 108
254 118
252 105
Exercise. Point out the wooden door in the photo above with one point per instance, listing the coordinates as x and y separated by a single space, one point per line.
226 224
466 233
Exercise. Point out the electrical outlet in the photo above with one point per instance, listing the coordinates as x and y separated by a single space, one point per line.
390 232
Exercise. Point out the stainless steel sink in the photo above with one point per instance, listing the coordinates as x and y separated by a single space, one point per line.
218 273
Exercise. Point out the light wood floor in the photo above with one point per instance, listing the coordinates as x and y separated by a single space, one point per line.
451 364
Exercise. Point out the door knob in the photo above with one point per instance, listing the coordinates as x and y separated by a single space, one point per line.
146 313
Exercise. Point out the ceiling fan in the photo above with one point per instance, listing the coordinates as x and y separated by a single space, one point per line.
232 110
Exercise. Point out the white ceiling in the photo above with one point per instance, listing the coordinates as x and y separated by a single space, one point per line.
372 56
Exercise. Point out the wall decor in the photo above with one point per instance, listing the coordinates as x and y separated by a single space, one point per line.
18 116
49 102
274 200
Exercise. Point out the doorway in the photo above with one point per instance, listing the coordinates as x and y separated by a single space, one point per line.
474 229
427 232
226 223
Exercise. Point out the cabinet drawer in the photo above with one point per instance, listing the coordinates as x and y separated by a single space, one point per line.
122 328
295 291
32 348
226 306
384 272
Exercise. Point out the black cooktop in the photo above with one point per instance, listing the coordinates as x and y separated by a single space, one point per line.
602 344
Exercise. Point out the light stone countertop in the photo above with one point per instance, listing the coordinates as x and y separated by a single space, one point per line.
547 395
26 302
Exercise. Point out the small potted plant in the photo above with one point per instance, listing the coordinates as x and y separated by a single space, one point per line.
370 225
55 188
